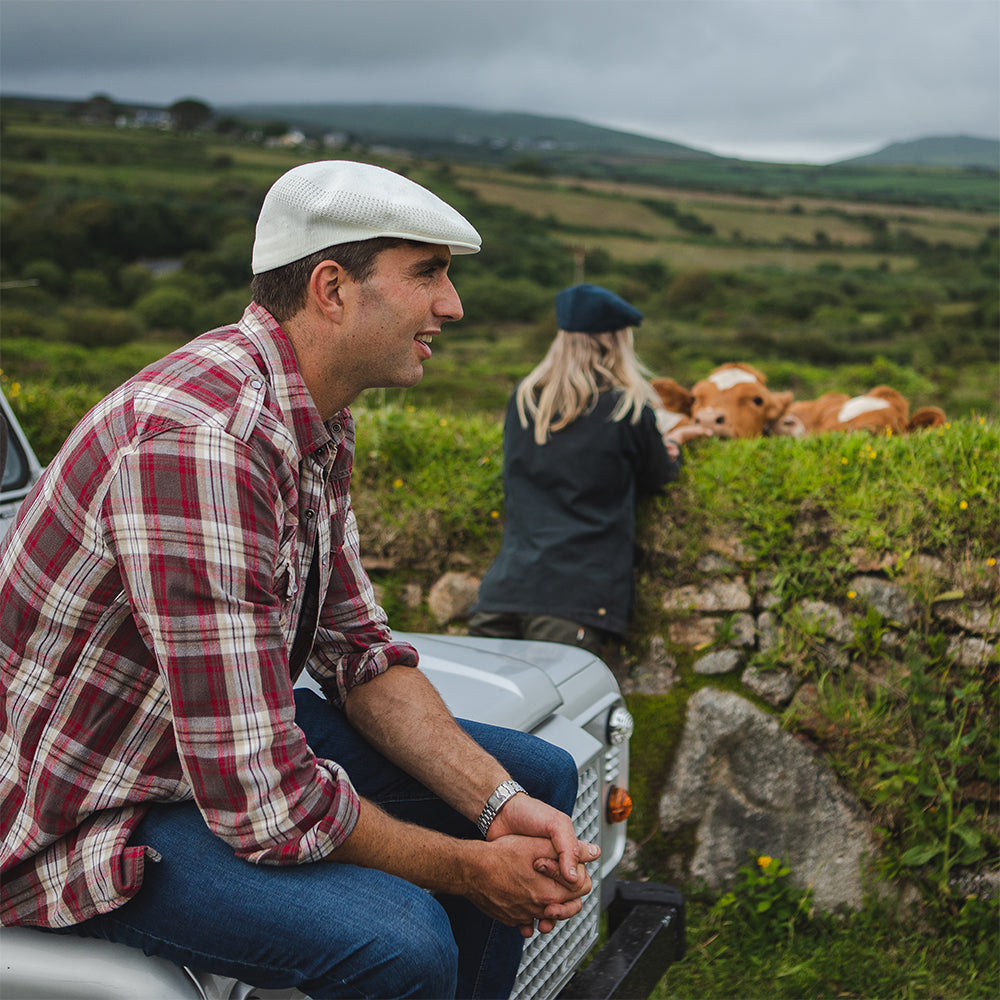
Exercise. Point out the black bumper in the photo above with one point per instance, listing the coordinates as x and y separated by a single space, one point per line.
645 936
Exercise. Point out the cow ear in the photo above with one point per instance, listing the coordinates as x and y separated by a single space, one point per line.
674 396
777 404
927 416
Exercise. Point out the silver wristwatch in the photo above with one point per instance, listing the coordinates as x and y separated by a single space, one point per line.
503 794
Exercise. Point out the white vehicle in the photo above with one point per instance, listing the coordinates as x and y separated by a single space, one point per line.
19 465
563 694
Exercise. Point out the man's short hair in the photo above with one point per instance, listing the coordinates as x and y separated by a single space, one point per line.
283 290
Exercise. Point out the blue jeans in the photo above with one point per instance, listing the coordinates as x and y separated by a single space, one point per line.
329 929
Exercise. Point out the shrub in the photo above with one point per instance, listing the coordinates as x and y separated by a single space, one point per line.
47 414
169 309
18 322
95 326
49 275
487 299
689 288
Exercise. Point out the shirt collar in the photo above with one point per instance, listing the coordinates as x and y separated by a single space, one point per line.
290 391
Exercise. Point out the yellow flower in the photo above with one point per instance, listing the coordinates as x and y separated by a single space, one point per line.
15 390
991 561
396 483
843 461
443 422
764 861
851 594
963 504
494 514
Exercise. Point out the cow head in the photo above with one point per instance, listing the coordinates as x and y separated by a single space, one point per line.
926 417
734 402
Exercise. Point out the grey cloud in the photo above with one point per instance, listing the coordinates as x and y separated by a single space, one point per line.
715 73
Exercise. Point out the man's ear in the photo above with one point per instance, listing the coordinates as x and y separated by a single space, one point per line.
326 287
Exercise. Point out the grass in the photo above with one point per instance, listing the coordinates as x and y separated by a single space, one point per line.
687 256
870 955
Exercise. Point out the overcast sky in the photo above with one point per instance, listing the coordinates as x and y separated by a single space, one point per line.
804 80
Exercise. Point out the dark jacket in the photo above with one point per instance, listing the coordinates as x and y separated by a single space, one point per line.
570 516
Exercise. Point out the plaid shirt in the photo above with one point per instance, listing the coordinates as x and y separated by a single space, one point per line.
150 592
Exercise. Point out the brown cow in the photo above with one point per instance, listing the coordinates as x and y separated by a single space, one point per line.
734 402
880 411
805 416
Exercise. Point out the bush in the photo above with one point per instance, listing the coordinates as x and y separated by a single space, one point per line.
689 288
17 322
487 299
99 327
169 309
47 414
134 280
49 275
223 310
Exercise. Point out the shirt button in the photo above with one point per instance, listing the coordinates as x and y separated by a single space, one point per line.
256 384
310 514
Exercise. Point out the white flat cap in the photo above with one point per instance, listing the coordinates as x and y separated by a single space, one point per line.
317 205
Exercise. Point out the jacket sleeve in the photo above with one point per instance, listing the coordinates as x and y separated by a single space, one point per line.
654 468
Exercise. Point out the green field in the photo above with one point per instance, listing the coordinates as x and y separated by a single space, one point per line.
119 244
116 236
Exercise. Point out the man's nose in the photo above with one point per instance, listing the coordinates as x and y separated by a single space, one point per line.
448 305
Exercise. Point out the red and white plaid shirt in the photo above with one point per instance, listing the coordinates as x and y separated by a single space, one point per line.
150 593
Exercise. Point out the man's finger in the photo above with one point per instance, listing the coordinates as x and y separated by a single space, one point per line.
568 874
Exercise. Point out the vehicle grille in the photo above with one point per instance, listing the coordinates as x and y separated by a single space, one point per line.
550 959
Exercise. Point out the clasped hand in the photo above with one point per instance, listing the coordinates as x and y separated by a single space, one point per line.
548 863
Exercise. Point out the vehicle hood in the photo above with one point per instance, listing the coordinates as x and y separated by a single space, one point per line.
501 682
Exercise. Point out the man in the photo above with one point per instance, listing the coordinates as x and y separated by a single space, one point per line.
188 552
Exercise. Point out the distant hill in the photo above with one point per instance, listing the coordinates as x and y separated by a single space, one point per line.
959 151
422 127
918 173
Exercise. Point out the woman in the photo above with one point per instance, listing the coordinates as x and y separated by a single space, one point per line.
580 445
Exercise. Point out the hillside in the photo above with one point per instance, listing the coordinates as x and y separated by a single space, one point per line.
546 146
961 152
421 127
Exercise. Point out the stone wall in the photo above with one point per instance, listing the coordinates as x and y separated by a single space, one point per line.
740 783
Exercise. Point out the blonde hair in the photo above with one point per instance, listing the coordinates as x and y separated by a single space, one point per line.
576 369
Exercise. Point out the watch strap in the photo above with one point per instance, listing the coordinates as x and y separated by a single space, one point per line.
503 793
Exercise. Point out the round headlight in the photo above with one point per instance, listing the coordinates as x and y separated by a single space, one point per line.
620 725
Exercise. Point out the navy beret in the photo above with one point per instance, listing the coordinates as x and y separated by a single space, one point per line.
592 309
